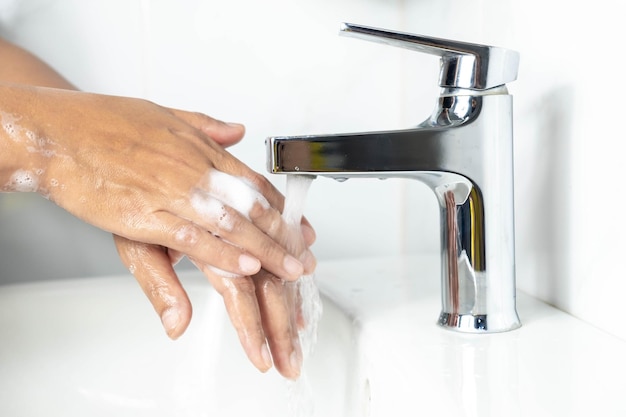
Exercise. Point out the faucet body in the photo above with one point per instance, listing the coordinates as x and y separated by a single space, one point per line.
464 153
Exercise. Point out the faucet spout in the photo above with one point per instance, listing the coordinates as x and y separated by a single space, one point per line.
399 153
464 153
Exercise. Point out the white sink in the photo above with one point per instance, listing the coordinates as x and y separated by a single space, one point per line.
94 347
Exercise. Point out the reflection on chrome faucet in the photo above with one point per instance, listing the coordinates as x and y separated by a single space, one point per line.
463 152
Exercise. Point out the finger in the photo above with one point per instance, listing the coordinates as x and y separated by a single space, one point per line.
308 232
291 238
221 213
225 134
152 268
300 320
277 306
195 241
276 200
243 310
175 256
215 129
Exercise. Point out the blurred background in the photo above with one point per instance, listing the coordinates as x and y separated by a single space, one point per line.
279 67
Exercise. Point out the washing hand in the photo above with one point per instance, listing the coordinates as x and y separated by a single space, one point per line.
160 180
262 308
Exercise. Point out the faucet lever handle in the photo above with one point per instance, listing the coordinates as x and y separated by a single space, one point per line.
463 64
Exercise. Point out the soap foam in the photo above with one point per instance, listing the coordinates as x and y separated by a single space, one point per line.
218 190
34 143
23 181
211 209
9 128
236 192
7 120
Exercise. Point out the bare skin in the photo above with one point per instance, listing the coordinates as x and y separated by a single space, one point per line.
132 167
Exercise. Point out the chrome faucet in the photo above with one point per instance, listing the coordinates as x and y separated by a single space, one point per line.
463 152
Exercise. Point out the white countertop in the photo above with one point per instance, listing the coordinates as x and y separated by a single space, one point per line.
554 365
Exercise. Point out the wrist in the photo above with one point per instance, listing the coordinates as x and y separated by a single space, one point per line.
22 164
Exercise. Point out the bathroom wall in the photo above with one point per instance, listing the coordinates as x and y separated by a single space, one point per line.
289 73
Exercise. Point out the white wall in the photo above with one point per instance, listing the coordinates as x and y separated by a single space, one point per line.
279 67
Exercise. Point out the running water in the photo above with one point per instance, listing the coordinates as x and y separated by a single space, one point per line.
303 292
194 391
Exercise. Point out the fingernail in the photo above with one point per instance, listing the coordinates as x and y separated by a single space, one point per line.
293 267
265 354
248 264
170 319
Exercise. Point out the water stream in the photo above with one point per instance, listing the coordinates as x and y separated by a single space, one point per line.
306 295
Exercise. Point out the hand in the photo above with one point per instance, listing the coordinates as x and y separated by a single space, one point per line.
263 309
152 174
89 153
149 174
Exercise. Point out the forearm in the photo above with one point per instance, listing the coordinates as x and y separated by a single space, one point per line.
19 66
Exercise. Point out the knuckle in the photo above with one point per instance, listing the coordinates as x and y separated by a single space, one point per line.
259 210
256 211
258 181
272 286
244 285
159 292
187 235
269 249
157 289
275 225
236 288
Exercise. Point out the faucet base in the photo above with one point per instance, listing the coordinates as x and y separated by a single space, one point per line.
479 323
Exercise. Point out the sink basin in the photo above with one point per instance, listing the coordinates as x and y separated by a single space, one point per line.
94 347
